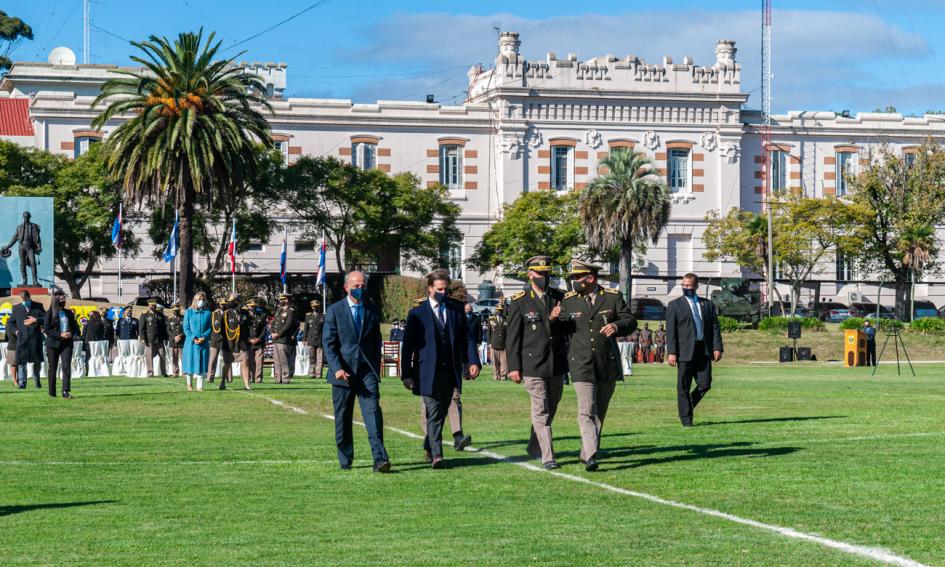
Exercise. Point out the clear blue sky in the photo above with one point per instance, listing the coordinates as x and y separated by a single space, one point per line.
828 54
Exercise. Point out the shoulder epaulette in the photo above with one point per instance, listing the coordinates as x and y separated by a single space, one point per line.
518 295
419 301
570 294
612 290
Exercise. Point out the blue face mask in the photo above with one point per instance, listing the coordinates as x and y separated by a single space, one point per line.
690 293
356 293
439 296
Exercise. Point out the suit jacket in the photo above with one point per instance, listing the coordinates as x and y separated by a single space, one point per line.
29 338
20 235
344 349
681 328
53 334
418 354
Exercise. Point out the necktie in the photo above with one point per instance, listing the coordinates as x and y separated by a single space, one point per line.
697 316
357 319
441 313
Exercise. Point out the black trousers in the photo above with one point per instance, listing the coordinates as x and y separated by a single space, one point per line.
871 353
366 389
438 407
56 357
700 369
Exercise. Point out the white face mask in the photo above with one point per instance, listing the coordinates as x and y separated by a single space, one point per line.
200 304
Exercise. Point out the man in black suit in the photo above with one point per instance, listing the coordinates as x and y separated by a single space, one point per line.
437 350
351 339
693 342
60 327
28 317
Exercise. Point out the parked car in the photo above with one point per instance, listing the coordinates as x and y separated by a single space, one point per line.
822 310
923 308
783 309
838 315
868 311
485 305
647 309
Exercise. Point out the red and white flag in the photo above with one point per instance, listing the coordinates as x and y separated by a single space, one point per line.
231 249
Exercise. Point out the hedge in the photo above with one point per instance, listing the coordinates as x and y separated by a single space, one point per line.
852 323
781 323
729 324
928 325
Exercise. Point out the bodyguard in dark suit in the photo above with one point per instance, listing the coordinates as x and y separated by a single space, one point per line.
28 317
351 339
60 328
593 317
437 350
693 342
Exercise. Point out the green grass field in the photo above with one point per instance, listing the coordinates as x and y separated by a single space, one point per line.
141 472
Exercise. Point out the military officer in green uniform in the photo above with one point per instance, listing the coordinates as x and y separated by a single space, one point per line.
313 338
592 317
283 329
257 337
153 333
536 354
234 323
498 325
218 346
175 339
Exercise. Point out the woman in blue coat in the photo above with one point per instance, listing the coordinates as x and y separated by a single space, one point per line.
197 340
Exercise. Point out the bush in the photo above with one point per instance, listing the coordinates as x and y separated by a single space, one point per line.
729 324
889 324
927 325
781 323
852 323
398 294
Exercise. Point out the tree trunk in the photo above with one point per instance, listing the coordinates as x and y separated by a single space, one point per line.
903 299
795 298
185 256
626 265
341 268
75 288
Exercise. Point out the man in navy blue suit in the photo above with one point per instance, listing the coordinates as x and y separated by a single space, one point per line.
437 348
351 339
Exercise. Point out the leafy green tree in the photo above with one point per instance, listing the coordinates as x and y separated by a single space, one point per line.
85 200
13 31
539 222
367 214
27 167
902 203
624 207
191 130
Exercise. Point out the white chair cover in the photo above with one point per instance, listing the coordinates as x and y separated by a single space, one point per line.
625 357
218 372
43 372
4 367
98 359
78 361
302 356
169 356
130 360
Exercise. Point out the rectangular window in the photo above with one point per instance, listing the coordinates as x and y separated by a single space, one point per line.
456 262
846 167
562 168
451 167
82 145
845 269
779 171
304 245
679 171
364 155
255 247
908 159
283 148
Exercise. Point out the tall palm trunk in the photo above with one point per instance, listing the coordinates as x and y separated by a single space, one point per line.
626 265
186 255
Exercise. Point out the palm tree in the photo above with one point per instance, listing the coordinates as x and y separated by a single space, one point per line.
917 245
626 205
192 122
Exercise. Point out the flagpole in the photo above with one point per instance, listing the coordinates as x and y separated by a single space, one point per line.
233 260
120 243
285 252
175 281
325 283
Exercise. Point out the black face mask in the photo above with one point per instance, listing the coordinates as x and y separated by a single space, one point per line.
439 296
541 282
582 286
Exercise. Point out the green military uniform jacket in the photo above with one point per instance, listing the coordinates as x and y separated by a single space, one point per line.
498 326
216 330
153 329
257 329
313 329
534 346
232 330
593 357
175 328
284 326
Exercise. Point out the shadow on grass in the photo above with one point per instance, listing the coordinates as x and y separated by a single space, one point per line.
653 455
771 420
10 510
510 442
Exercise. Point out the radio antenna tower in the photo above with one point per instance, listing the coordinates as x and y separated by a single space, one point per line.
86 31
766 139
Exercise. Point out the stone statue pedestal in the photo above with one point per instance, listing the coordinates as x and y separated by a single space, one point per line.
33 290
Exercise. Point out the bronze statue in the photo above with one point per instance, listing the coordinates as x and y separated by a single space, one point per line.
27 234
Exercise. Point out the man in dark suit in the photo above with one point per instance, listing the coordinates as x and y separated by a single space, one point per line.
60 327
693 342
537 355
27 234
351 339
28 317
437 350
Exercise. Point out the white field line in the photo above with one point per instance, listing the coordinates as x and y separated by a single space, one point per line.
874 553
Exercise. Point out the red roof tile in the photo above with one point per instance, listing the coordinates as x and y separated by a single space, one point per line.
15 117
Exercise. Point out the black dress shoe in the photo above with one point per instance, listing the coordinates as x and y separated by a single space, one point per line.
462 442
382 467
210 379
427 456
39 384
590 465
551 465
439 462
687 424
346 467
67 395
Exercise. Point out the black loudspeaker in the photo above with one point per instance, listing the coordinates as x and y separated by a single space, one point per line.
786 354
803 353
794 329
